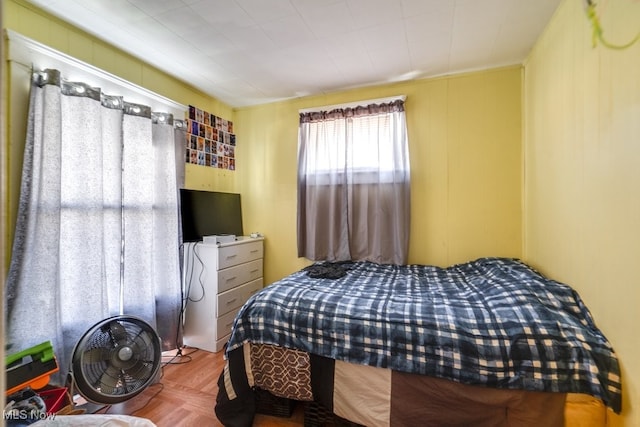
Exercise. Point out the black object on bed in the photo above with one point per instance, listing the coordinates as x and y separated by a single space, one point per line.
493 322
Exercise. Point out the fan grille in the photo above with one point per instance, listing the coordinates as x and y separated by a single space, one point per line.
116 359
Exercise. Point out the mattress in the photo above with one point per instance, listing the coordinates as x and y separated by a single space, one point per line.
493 323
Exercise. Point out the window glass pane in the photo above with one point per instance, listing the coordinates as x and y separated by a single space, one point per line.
371 147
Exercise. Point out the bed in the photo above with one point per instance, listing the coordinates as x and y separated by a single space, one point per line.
488 342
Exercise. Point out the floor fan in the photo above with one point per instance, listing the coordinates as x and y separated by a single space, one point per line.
115 360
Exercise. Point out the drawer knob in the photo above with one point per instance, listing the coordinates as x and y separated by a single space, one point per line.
231 256
231 301
230 279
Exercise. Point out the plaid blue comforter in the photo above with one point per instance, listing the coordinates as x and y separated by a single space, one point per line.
493 322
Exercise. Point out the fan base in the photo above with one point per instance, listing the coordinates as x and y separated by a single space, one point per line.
86 406
91 408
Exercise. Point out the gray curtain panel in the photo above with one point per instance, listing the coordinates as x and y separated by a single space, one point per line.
354 196
97 230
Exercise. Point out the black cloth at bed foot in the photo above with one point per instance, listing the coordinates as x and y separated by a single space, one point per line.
328 270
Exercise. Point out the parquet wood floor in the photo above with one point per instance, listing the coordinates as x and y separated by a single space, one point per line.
186 395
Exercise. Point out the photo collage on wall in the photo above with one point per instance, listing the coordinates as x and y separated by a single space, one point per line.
210 140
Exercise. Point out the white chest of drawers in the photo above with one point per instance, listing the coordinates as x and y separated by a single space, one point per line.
218 279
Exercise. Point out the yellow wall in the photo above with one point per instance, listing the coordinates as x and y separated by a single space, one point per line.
582 173
466 176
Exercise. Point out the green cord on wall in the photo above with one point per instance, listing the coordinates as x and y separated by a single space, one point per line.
597 29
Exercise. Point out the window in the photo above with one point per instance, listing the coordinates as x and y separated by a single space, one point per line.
353 183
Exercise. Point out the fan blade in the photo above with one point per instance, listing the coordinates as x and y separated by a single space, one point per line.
142 370
96 355
117 331
109 380
142 342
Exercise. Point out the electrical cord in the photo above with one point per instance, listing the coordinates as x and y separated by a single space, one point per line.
201 275
178 342
192 263
152 396
187 272
180 355
183 303
187 268
189 257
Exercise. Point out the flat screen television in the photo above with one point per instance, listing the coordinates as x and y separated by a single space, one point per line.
208 213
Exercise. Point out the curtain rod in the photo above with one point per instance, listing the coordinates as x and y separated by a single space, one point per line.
31 53
355 104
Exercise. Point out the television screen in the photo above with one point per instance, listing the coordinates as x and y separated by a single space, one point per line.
208 213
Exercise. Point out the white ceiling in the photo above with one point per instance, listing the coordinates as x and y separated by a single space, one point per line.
247 52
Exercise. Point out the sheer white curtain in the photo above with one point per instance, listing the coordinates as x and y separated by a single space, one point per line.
354 184
97 228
